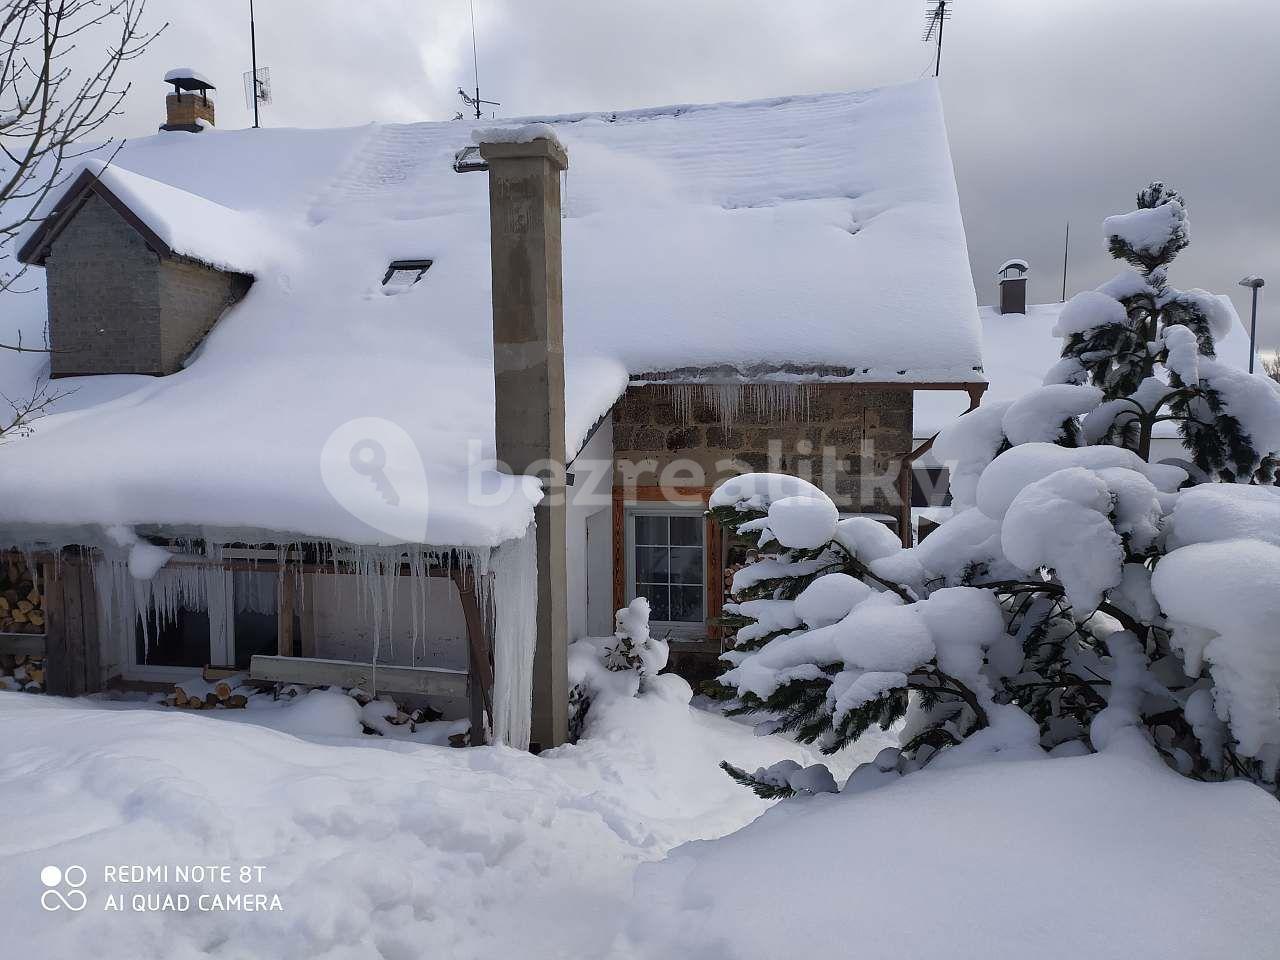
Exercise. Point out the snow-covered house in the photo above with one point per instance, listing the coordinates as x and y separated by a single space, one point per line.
329 474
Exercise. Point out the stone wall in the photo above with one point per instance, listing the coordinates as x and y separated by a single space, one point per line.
115 306
192 297
845 438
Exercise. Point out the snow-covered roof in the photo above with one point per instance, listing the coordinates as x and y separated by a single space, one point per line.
1018 350
176 222
763 239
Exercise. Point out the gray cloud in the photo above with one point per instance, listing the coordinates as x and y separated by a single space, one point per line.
1055 110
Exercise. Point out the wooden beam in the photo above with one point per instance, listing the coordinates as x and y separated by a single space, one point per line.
22 645
55 632
66 669
285 640
619 550
713 536
306 645
480 685
423 681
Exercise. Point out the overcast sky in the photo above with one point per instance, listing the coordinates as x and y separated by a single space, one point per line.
1057 109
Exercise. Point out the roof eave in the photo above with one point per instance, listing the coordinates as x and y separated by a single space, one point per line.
36 250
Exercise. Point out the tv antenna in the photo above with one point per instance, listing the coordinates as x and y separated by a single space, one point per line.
474 102
257 89
936 15
257 81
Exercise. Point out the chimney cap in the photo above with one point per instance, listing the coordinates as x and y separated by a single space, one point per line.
1018 264
186 78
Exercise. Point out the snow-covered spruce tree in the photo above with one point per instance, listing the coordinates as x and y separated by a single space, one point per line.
1082 595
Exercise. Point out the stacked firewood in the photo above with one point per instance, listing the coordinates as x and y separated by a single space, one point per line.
218 688
21 673
21 602
210 692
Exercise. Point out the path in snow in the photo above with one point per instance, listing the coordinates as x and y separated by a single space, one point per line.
385 849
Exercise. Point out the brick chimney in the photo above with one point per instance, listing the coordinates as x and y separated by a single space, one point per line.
189 107
528 362
1013 286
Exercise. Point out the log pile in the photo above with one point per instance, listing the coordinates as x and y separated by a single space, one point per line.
21 598
22 673
230 692
221 688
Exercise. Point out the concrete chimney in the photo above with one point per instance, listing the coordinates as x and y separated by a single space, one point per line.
189 107
528 368
1013 286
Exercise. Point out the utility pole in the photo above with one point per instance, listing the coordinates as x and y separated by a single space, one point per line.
253 55
1066 246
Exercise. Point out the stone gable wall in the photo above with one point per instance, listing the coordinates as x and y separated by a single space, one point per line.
104 296
847 439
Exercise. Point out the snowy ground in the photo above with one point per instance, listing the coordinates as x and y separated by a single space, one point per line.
376 848
387 849
1109 855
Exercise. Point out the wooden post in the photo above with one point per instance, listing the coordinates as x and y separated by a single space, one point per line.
286 641
73 667
480 669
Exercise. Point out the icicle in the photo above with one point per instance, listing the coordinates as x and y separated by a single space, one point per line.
515 603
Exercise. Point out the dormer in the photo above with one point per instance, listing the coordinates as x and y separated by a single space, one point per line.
137 272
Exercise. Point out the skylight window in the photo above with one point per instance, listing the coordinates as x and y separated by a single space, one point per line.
403 274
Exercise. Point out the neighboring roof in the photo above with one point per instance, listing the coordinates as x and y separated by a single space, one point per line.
769 238
1018 350
175 223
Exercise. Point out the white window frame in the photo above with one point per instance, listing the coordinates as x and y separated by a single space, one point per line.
678 630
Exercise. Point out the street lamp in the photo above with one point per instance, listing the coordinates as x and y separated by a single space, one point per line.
1256 284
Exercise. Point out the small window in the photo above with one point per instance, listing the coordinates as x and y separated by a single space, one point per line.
667 565
930 487
183 641
403 274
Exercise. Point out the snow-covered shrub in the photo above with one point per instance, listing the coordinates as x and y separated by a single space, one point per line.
623 665
1079 590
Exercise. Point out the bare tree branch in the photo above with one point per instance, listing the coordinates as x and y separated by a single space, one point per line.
50 112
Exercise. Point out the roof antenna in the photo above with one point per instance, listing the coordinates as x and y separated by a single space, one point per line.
475 101
937 14
257 81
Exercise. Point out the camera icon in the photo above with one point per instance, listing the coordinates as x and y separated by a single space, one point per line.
62 888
